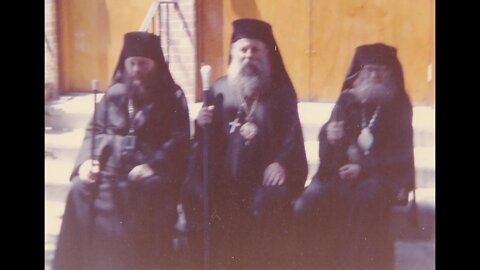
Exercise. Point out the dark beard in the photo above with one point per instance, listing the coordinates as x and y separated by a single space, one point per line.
249 79
140 92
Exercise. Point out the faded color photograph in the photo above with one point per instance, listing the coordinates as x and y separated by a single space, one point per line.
240 134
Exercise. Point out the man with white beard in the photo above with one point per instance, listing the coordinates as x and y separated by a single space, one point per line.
257 161
366 165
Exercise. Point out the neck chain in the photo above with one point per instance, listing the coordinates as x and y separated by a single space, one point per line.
249 111
131 115
129 141
249 129
365 139
372 120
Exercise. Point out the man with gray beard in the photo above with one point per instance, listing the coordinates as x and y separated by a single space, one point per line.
257 161
366 166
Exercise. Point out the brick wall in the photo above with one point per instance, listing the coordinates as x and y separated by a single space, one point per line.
51 52
181 44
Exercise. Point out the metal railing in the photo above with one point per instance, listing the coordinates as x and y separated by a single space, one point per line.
149 20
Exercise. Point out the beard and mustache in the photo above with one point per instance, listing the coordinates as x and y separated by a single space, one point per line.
140 89
249 78
375 93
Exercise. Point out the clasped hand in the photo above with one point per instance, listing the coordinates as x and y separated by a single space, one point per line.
205 116
90 169
274 175
335 131
349 171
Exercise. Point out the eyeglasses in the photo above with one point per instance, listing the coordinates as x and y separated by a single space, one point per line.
376 68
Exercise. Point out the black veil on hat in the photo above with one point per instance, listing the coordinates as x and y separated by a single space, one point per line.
378 54
283 91
260 30
147 45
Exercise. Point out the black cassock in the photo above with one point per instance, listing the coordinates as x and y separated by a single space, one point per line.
248 221
116 223
345 224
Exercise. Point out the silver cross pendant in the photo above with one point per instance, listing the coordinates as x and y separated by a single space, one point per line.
234 124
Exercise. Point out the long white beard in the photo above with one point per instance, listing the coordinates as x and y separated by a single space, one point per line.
249 78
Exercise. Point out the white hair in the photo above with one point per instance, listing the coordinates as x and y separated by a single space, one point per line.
249 77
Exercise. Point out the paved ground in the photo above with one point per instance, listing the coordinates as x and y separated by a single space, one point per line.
415 247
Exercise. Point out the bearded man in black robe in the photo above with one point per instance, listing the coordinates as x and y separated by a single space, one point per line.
121 209
257 160
366 166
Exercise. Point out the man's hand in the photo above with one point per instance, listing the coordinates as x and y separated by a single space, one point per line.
140 172
205 116
274 175
89 170
335 131
349 171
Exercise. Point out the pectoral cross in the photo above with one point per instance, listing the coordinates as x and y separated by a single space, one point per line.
234 125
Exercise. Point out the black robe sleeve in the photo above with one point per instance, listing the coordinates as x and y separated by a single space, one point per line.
291 154
392 153
174 150
97 126
332 156
394 159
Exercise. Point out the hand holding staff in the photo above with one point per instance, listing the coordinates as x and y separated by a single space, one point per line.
95 166
205 72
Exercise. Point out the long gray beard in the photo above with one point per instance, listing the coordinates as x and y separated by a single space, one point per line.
375 93
249 79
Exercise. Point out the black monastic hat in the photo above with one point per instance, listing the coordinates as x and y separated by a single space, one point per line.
143 44
260 30
378 54
255 29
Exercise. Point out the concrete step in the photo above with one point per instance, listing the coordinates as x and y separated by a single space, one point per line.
76 111
53 220
66 140
57 172
61 150
70 112
424 126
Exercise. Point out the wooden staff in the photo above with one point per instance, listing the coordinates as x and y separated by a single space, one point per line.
95 90
93 158
205 72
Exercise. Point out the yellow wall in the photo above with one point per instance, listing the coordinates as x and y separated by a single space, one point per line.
91 30
317 38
